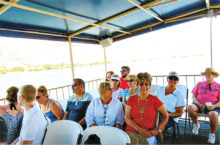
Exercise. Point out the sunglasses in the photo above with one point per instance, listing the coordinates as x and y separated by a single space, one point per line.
37 97
114 80
74 85
123 70
108 89
210 87
142 84
130 80
173 78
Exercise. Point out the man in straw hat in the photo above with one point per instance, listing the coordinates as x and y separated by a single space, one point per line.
206 99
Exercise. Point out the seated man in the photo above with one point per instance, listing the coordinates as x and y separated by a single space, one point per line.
206 99
78 103
34 122
168 93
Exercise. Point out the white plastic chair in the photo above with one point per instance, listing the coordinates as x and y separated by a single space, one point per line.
153 89
108 135
63 132
63 103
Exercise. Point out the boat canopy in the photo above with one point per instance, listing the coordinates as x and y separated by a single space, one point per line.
90 21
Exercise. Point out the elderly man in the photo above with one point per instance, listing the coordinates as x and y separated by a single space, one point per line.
78 103
34 123
125 70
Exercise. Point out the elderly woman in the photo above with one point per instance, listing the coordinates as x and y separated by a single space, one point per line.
206 99
170 92
115 83
51 108
141 111
106 110
12 114
132 90
109 75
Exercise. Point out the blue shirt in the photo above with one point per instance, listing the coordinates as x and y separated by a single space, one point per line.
105 115
77 107
171 101
127 94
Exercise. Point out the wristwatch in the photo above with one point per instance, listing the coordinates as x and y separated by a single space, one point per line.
159 130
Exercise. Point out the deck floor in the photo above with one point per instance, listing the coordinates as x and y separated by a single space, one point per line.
188 138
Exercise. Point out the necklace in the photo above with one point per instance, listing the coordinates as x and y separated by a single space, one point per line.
142 108
45 111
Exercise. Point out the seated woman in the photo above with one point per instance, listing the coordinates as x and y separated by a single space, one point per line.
206 99
51 108
106 110
170 92
12 114
115 83
109 75
141 111
133 90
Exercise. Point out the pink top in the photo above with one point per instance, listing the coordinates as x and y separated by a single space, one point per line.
203 94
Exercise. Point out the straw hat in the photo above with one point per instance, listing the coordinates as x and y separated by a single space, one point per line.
210 70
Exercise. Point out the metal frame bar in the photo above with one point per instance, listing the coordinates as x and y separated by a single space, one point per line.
169 20
6 7
115 17
147 11
57 15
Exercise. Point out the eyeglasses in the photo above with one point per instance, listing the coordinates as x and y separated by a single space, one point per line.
130 80
74 85
142 84
114 80
173 78
37 97
123 70
210 87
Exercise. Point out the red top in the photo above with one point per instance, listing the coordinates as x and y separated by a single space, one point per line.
124 85
150 112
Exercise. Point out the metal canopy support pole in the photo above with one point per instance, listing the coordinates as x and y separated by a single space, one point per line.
71 57
211 57
105 59
210 13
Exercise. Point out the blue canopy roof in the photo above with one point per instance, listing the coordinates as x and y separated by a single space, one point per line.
93 20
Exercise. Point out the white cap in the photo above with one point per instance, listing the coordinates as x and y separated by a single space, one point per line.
173 73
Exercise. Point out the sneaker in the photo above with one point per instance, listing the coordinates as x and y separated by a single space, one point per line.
211 138
195 130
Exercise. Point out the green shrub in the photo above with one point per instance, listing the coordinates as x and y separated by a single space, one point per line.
18 68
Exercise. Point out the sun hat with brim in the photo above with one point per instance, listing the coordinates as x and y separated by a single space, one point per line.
210 70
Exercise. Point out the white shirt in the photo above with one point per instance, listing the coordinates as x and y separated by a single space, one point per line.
33 126
103 115
171 101
118 93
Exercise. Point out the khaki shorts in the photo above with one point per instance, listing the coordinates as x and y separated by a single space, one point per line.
136 139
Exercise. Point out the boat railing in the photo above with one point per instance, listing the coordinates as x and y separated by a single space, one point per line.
65 91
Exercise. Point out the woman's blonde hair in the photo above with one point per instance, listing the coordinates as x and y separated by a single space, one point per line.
12 94
132 77
144 77
103 86
43 90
